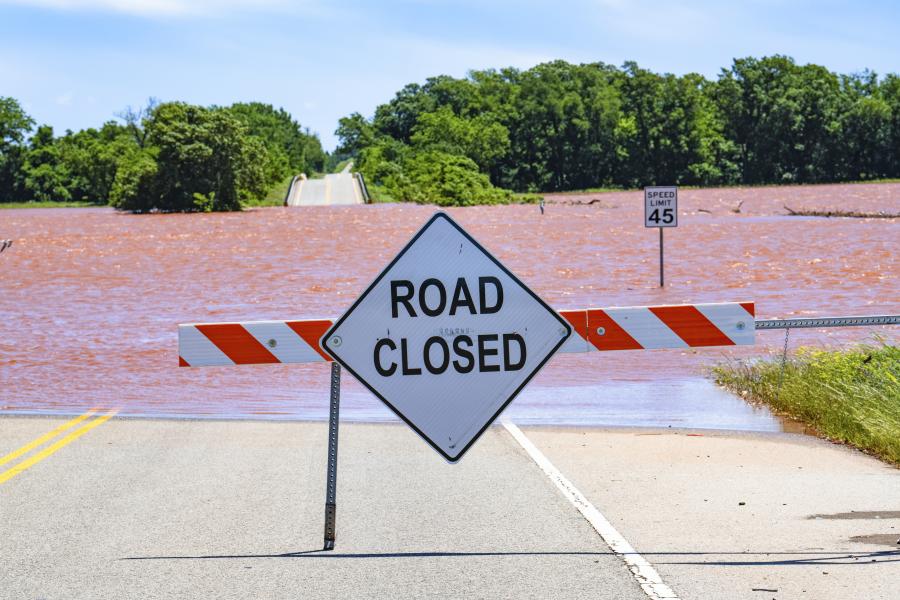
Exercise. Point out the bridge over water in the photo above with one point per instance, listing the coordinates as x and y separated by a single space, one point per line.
333 189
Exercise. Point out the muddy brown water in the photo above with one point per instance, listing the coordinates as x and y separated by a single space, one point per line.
90 299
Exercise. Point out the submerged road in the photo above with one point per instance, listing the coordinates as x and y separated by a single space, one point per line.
150 509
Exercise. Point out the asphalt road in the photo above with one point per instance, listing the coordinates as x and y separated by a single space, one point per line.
334 189
154 509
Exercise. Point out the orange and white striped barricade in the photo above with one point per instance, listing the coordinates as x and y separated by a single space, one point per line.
594 329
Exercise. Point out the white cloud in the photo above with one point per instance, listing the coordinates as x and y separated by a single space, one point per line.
160 8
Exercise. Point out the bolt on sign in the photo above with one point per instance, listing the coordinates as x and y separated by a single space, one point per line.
446 336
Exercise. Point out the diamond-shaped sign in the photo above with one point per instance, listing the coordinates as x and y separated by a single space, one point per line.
446 336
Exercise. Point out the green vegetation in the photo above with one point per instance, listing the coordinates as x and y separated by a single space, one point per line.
291 150
379 194
339 166
44 204
166 157
195 159
479 139
559 127
274 197
850 396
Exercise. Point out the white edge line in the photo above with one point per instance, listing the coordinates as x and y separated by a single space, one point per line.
644 573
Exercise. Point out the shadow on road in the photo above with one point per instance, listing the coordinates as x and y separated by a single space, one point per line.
803 558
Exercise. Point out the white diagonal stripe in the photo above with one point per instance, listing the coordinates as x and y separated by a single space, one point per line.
727 318
288 347
645 328
196 349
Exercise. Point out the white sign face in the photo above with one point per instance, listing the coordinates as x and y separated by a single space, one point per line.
661 206
446 336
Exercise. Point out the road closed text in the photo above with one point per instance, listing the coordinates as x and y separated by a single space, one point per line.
437 354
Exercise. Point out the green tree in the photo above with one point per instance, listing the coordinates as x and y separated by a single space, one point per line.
864 150
196 159
46 175
434 177
479 138
783 118
14 127
763 120
889 90
91 159
355 133
562 126
290 149
671 132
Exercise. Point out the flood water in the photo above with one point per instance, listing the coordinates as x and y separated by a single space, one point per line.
90 299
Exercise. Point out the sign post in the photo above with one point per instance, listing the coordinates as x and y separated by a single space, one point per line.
331 481
661 210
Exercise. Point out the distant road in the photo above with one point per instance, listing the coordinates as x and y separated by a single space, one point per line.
333 189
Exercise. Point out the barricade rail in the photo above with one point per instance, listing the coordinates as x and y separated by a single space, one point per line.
821 322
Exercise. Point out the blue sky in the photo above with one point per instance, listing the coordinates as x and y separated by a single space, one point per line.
75 63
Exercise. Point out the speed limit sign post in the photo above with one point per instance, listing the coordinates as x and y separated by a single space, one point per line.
661 210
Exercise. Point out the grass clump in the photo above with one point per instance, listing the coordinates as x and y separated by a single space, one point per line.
850 396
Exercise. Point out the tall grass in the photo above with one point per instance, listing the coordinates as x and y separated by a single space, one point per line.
851 396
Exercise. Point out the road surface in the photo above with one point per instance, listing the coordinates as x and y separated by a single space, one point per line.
234 509
334 189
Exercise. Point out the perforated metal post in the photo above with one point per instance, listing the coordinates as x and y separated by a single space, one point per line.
662 281
331 485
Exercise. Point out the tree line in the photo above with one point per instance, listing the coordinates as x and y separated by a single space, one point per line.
168 156
560 126
474 140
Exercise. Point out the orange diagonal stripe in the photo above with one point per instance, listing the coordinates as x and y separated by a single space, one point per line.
237 343
578 320
613 338
691 326
312 332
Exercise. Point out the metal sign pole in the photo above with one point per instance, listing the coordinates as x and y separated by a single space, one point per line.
331 486
662 282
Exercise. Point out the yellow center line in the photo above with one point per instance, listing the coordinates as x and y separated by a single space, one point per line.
46 437
49 450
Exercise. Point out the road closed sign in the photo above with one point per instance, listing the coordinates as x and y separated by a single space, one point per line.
446 336
661 206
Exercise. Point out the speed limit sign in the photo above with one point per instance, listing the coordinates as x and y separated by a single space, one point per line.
661 206
661 210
